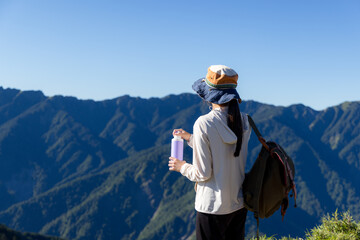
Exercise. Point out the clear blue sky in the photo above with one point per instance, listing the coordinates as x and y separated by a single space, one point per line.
285 51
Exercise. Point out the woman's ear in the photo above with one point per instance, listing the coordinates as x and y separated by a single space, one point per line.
239 100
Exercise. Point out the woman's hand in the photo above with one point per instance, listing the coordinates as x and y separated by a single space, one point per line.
182 133
175 164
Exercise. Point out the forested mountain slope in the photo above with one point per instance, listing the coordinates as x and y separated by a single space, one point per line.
82 169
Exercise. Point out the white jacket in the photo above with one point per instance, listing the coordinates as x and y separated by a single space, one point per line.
219 174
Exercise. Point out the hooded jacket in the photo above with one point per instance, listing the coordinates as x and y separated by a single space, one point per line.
219 175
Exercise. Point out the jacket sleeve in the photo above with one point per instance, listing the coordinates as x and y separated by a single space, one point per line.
201 168
190 142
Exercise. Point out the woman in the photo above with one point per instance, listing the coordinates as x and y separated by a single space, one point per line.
219 143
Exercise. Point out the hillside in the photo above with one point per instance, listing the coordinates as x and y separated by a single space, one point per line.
9 234
82 169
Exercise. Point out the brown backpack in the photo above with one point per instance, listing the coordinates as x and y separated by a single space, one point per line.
267 185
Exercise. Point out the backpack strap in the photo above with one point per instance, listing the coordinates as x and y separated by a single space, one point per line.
257 132
262 167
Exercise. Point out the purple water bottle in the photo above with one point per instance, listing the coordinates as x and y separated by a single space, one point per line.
177 147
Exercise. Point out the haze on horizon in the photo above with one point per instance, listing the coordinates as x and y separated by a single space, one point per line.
285 52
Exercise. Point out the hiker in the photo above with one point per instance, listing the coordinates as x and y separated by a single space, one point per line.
219 141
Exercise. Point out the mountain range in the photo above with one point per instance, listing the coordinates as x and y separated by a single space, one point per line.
84 169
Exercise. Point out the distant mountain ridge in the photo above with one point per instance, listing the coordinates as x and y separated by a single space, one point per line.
84 169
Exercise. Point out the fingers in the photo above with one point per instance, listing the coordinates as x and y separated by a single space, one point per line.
178 131
171 163
175 164
182 133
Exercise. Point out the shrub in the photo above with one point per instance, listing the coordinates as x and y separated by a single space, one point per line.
336 227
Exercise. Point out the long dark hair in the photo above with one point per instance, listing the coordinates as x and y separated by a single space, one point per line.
234 122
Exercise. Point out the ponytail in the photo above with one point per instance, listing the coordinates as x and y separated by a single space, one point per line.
234 122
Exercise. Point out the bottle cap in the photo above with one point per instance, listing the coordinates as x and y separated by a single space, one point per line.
177 137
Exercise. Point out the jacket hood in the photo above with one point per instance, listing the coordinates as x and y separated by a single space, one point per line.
220 120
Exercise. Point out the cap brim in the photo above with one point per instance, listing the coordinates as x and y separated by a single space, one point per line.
214 95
